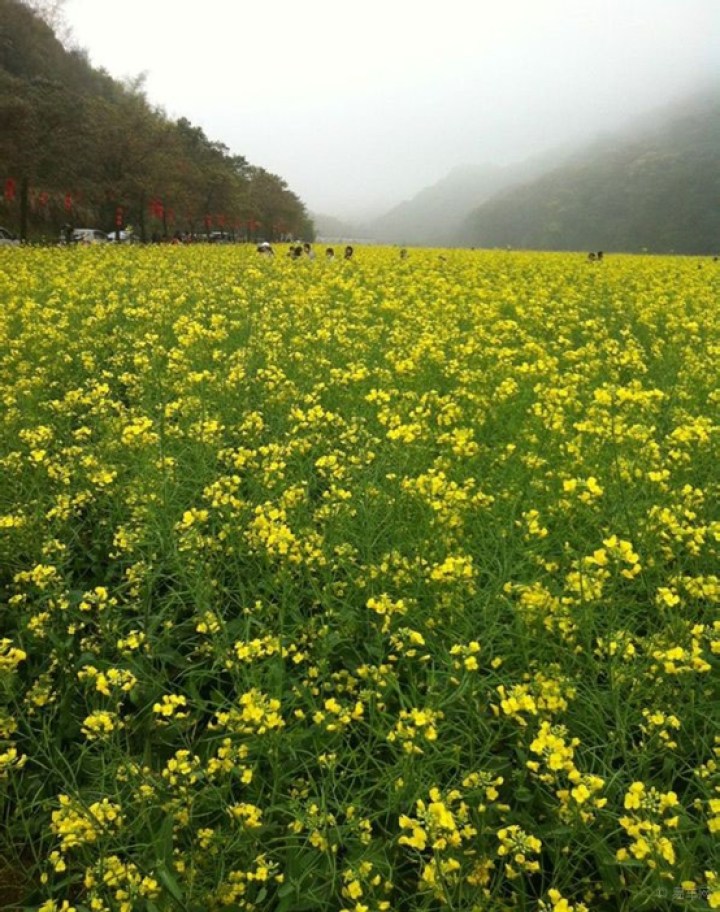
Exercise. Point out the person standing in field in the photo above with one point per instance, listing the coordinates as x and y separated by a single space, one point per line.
348 252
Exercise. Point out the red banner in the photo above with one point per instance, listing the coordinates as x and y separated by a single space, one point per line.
9 189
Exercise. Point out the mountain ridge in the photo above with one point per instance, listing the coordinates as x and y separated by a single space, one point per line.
623 189
655 188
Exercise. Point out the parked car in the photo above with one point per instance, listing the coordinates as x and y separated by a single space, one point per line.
219 237
85 236
89 236
8 239
125 237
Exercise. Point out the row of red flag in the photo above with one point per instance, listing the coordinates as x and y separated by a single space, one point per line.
38 197
156 208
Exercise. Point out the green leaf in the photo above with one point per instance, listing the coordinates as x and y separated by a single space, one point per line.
164 843
170 884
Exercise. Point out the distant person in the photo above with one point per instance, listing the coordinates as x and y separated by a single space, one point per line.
591 256
348 253
403 254
308 251
265 249
329 254
296 252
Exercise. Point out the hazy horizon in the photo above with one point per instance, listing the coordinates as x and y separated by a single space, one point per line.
359 110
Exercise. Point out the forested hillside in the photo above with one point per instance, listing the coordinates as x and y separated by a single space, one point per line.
657 189
78 146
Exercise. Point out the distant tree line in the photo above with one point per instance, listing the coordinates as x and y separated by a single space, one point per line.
79 147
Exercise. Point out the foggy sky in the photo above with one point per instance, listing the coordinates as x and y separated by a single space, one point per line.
360 105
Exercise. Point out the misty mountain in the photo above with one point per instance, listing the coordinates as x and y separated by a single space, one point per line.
434 216
327 226
656 188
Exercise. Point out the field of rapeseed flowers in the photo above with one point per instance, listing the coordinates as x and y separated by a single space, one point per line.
370 585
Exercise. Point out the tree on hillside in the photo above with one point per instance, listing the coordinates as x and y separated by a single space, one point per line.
276 207
77 144
42 140
131 152
52 12
216 181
